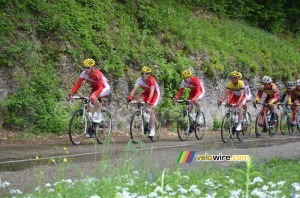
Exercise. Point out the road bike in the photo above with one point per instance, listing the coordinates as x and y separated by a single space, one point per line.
187 122
140 123
81 126
230 122
263 122
285 119
293 127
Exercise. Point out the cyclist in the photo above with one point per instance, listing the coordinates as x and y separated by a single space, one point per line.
236 95
272 94
288 89
151 94
294 98
100 88
197 91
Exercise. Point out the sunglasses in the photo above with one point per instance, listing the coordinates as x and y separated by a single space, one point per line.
234 77
87 67
145 73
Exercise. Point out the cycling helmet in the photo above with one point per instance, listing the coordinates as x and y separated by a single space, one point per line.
289 84
298 82
146 70
234 74
240 76
89 62
266 79
186 73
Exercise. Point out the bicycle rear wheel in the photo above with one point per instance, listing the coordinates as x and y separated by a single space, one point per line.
200 127
183 126
260 125
284 123
273 126
247 124
103 129
136 127
157 128
78 127
226 127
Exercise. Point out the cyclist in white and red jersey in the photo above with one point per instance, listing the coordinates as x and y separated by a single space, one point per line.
151 94
99 84
197 90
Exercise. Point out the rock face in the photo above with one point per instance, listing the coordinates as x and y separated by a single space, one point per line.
116 102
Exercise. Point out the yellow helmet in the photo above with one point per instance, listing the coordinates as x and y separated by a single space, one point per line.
146 70
186 73
240 76
234 74
89 62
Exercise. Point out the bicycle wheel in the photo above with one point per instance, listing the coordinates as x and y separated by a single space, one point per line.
103 129
78 127
292 128
157 128
273 125
226 127
260 125
284 123
247 124
136 127
183 126
200 127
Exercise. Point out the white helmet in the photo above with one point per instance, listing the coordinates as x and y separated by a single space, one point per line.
266 79
298 82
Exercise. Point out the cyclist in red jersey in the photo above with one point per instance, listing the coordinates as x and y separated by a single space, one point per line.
100 88
197 90
272 92
151 94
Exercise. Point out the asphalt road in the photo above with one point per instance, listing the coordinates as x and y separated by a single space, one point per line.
20 167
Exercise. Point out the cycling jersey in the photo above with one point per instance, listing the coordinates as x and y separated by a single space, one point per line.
146 87
285 93
295 94
235 92
272 93
97 80
195 85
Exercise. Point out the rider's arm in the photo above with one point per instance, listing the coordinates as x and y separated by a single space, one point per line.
76 86
131 95
283 97
224 95
259 94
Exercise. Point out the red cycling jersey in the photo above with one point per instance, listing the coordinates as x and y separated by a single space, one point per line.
97 81
196 86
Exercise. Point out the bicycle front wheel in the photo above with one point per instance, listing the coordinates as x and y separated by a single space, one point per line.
78 127
273 126
183 126
226 127
157 128
200 126
260 125
103 129
136 127
284 123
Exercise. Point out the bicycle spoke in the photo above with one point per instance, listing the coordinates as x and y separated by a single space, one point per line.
103 129
78 127
247 125
183 126
226 127
200 127
136 127
157 128
284 123
260 125
273 125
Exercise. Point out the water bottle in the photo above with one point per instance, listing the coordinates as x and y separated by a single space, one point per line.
147 116
236 119
193 116
269 117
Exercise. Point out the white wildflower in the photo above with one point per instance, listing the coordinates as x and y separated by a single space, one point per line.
281 183
274 192
256 180
94 196
258 193
48 185
15 191
272 185
296 186
159 189
182 190
235 193
195 190
50 190
5 184
209 182
153 194
213 195
265 187
168 188
231 181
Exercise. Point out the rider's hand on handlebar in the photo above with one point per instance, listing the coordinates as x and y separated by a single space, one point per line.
219 102
70 97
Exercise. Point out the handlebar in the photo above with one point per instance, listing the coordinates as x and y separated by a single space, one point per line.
140 104
78 97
